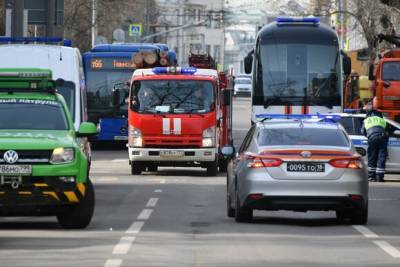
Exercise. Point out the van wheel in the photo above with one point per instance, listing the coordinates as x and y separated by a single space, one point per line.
136 168
79 215
212 168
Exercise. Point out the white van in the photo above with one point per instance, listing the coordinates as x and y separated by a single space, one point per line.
65 63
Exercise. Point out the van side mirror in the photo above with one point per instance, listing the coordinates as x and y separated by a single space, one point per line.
396 133
371 72
226 97
248 63
115 97
346 65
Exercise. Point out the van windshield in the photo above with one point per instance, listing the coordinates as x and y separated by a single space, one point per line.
68 92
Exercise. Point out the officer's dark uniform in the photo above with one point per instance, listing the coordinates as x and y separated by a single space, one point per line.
375 128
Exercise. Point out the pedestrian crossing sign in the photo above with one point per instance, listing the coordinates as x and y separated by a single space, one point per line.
135 29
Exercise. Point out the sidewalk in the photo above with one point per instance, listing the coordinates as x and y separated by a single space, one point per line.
392 177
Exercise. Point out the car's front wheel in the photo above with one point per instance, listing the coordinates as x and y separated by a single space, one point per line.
78 216
136 168
212 168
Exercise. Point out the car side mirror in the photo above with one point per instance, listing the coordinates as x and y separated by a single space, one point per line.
228 151
115 97
396 133
226 97
86 129
371 72
248 63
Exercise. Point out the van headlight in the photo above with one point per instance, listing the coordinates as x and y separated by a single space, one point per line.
135 137
62 155
209 137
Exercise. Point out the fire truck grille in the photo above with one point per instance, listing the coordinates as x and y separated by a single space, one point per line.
173 142
393 104
30 156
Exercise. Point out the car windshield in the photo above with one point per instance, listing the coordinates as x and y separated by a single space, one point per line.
301 136
172 96
67 90
391 71
43 114
243 81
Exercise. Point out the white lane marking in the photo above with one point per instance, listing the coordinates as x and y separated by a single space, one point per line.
135 228
152 202
365 231
384 199
113 263
162 181
119 160
124 245
389 249
145 214
158 191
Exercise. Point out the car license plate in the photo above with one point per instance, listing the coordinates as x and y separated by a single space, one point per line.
16 169
305 167
120 137
172 153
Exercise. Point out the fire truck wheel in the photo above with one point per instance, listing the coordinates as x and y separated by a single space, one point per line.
136 168
212 168
78 216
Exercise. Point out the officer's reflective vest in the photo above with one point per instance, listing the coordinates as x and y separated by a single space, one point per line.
373 121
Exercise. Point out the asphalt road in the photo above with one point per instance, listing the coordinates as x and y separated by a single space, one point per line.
176 217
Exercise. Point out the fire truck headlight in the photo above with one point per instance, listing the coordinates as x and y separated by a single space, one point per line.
209 137
62 155
135 137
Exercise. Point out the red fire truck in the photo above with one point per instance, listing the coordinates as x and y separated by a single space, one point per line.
178 117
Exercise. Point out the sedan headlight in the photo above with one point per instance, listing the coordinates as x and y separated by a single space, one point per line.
62 155
135 137
209 137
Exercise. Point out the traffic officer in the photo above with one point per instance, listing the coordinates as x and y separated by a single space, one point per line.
375 128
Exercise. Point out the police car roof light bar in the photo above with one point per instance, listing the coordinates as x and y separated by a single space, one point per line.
174 70
294 20
352 110
317 117
27 40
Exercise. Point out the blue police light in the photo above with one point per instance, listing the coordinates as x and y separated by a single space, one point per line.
352 110
285 20
327 117
27 40
174 70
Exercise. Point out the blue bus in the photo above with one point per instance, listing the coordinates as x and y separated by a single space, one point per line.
109 67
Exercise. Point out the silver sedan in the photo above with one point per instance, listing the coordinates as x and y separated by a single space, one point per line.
297 165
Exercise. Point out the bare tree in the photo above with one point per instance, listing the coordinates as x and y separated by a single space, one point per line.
111 14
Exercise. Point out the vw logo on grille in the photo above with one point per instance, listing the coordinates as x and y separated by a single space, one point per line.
305 154
10 156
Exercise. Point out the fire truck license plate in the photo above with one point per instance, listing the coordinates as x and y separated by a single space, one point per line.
16 169
172 153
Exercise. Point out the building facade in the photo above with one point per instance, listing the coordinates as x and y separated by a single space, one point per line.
192 26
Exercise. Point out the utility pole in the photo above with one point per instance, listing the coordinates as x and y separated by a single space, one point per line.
94 21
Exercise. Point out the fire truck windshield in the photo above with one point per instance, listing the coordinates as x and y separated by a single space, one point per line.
172 96
298 74
391 71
